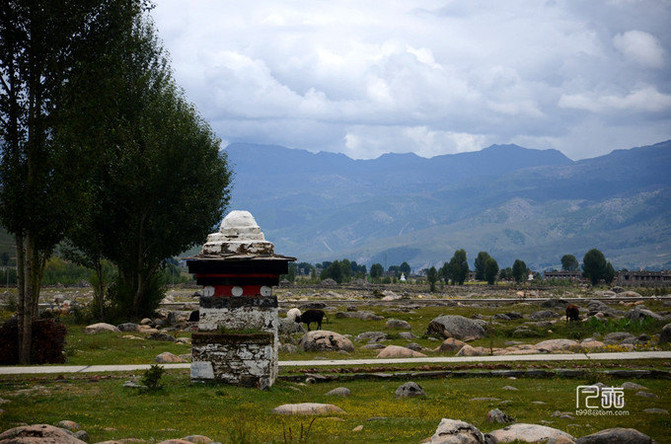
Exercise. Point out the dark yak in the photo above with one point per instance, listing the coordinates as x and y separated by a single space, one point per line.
572 313
311 316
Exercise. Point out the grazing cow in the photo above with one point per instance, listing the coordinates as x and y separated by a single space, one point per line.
311 316
572 313
293 313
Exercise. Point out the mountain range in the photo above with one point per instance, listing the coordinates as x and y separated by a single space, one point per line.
513 202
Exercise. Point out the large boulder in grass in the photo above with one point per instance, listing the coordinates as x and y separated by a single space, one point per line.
454 431
324 340
100 327
528 433
396 351
616 435
308 408
455 326
38 434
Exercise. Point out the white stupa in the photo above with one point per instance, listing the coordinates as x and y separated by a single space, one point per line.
239 235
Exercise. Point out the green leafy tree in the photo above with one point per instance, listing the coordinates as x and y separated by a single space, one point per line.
506 273
405 268
42 45
519 272
432 277
376 271
595 267
457 268
333 271
480 262
569 263
159 180
491 270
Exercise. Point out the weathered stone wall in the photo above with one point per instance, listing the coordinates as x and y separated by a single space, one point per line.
241 359
239 313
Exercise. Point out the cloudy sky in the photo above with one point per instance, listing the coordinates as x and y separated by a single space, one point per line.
431 77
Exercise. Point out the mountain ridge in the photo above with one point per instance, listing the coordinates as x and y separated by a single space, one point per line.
509 200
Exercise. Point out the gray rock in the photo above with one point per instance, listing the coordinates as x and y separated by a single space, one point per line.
160 336
617 435
324 340
657 411
639 314
501 317
409 389
643 394
406 335
128 327
617 337
340 391
633 386
82 435
414 346
554 303
313 306
374 346
528 433
665 335
372 336
455 326
308 408
38 433
497 415
133 384
288 348
100 327
289 326
454 431
167 357
543 315
397 324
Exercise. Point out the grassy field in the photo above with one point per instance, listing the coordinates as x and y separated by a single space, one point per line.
121 348
106 410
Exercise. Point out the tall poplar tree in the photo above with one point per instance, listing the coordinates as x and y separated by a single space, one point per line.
41 42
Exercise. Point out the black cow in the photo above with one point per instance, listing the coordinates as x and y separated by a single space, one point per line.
311 316
572 313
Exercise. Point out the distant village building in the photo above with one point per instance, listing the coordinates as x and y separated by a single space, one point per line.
574 275
644 278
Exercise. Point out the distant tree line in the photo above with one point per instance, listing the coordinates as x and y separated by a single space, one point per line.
456 271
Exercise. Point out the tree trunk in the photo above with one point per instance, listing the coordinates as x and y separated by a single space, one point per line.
100 288
25 321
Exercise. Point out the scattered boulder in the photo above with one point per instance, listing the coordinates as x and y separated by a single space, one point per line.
371 336
308 408
513 315
406 335
409 389
324 340
543 315
454 431
68 425
554 345
633 386
554 303
451 345
467 350
38 434
160 336
396 351
528 433
617 337
340 391
616 435
639 314
100 327
455 326
397 323
198 439
82 435
128 327
289 326
415 346
167 357
497 415
656 411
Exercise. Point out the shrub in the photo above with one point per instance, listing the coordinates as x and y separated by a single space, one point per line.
47 347
152 378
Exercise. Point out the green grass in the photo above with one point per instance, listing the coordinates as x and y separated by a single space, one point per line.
113 348
106 410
